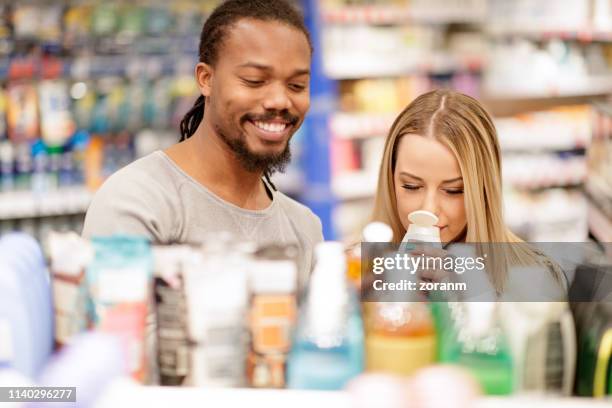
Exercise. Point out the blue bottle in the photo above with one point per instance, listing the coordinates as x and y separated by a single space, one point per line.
25 302
329 340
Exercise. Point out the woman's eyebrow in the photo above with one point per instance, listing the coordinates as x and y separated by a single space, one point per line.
405 173
453 180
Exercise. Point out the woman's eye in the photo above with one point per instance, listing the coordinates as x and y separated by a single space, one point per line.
410 187
454 191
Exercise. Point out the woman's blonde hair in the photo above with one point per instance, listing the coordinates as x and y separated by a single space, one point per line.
464 126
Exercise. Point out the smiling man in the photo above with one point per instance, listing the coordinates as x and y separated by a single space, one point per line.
253 77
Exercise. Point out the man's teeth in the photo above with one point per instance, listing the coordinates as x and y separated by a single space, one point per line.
271 127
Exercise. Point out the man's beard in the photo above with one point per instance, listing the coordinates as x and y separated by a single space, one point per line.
268 164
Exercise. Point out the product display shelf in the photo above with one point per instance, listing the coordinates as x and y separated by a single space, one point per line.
410 43
83 59
125 393
346 69
355 185
346 125
544 34
595 86
98 66
396 14
26 204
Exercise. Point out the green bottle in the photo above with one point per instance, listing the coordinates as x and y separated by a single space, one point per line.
594 371
474 340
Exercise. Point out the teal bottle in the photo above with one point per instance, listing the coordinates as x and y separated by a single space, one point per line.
328 343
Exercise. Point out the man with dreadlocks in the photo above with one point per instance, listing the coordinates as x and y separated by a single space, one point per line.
253 77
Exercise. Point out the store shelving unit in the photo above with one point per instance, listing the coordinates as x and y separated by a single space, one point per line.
419 11
410 48
355 188
126 393
24 204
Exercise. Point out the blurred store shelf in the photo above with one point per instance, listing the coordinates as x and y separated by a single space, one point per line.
545 34
99 66
26 204
354 185
346 125
388 14
358 66
291 182
594 86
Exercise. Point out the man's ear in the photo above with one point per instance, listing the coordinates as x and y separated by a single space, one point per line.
204 77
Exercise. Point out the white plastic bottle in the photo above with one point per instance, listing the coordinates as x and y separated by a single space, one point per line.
422 228
542 337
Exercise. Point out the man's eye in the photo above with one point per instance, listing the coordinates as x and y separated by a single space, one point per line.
253 82
410 187
297 87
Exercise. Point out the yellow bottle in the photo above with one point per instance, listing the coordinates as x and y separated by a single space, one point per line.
400 337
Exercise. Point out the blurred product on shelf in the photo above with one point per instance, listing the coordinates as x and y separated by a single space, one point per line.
329 340
273 311
119 280
210 326
26 310
69 256
599 170
564 128
400 335
217 304
594 326
564 51
401 11
533 171
550 215
542 338
477 342
547 17
171 312
90 363
373 232
560 69
94 87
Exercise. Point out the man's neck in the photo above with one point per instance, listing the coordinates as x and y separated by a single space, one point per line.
207 159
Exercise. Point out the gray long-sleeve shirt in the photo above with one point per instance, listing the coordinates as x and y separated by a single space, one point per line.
155 198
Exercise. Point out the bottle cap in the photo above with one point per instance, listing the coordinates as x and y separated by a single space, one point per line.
423 218
329 249
377 232
422 227
273 276
480 317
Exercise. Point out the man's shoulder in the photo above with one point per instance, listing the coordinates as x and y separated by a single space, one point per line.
302 216
148 174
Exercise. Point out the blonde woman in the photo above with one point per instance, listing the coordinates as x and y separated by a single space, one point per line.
442 155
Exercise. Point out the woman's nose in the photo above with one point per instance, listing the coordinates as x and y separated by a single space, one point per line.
430 203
